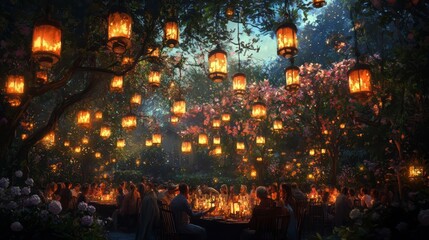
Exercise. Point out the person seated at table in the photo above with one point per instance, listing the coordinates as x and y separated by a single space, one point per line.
123 185
83 195
182 213
287 202
223 191
167 195
75 190
243 195
57 193
342 208
128 213
297 194
252 195
365 200
208 190
66 197
148 214
313 195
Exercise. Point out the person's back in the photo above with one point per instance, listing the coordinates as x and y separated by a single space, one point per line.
130 202
149 215
342 208
66 198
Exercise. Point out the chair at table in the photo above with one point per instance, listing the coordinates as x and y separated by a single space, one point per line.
168 227
300 210
270 224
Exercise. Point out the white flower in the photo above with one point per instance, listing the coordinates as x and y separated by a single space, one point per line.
355 213
86 220
55 207
16 191
18 173
35 200
424 217
25 191
91 209
4 182
402 226
16 226
82 206
29 182
12 205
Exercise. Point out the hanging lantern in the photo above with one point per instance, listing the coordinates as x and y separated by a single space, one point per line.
216 140
319 3
84 118
41 77
171 33
127 61
154 78
226 117
292 78
216 122
287 42
240 147
46 47
119 31
259 110
360 81
14 101
24 136
277 124
66 143
245 159
77 149
203 139
239 84
98 115
120 143
186 147
253 173
311 152
129 122
323 151
416 171
217 151
117 84
14 85
174 119
148 142
49 139
259 159
85 140
97 155
342 125
156 139
136 99
260 140
105 132
229 12
179 107
218 65
137 162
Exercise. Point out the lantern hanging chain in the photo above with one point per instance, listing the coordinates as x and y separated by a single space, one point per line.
238 40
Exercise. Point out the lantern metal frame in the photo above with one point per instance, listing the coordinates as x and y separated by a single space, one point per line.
169 41
119 44
295 84
361 94
259 115
46 58
216 75
237 84
287 51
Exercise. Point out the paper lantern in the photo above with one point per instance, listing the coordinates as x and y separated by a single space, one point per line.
105 132
77 149
239 84
179 107
154 78
218 65
148 142
129 122
292 78
217 151
259 159
46 45
171 33
287 42
174 119
240 147
66 143
24 136
156 139
14 85
253 173
229 12
319 3
97 155
360 81
245 159
136 99
259 110
84 118
311 152
216 122
117 83
277 124
186 147
203 139
85 140
120 143
216 140
226 117
323 151
260 140
98 115
49 139
119 31
416 171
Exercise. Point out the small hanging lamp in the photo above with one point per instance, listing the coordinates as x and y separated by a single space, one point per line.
154 78
319 3
239 84
171 32
46 45
218 65
360 81
119 30
259 110
117 84
179 107
287 41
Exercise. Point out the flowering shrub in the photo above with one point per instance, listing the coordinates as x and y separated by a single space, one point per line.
25 215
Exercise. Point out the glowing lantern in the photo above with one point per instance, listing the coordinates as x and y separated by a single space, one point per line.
84 118
77 149
156 139
186 147
66 143
260 140
14 101
253 173
319 3
239 84
292 78
226 117
85 140
148 142
218 65
203 139
99 115
49 139
216 140
41 77
174 119
14 85
97 155
287 42
277 124
117 84
245 159
259 110
120 143
179 107
119 31
137 162
310 176
415 171
342 125
360 81
216 122
240 147
127 60
171 33
311 152
136 99
24 136
323 151
154 78
129 122
46 46
105 132
325 132
229 12
217 151
259 159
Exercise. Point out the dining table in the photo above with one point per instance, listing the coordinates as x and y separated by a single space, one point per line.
104 209
219 227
